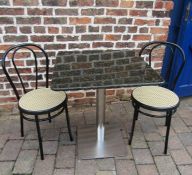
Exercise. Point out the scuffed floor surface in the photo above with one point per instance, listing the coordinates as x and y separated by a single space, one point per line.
145 157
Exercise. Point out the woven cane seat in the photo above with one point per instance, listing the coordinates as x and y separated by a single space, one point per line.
41 99
155 96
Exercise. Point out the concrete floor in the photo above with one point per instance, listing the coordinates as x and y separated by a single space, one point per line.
145 155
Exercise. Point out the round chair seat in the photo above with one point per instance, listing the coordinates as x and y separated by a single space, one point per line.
155 97
41 100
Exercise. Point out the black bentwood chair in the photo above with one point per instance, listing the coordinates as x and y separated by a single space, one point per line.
38 101
155 101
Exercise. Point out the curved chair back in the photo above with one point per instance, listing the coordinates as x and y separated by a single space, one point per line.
151 46
12 54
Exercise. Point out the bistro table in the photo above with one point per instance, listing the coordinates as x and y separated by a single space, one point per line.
101 70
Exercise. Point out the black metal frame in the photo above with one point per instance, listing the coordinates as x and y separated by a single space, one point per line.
171 46
61 107
169 111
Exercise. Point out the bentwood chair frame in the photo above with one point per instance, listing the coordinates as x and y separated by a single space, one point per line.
159 112
35 51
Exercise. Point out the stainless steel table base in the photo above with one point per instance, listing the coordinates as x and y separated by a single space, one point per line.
89 146
102 140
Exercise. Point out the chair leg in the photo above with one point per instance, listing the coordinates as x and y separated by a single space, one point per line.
168 124
166 120
49 117
68 123
21 124
39 137
135 117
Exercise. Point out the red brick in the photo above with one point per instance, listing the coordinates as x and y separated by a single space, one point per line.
141 37
126 37
90 94
132 29
126 4
102 44
166 22
143 30
15 38
106 29
160 37
82 20
19 62
44 38
21 70
22 54
117 12
11 11
160 14
125 21
25 3
4 2
67 29
55 46
156 57
159 5
112 37
158 30
92 12
4 93
105 20
78 45
28 20
120 92
55 20
4 47
75 95
107 3
81 3
80 29
11 29
119 29
6 20
54 2
142 22
37 11
91 37
67 12
110 92
169 5
39 29
144 4
53 30
93 29
25 29
67 38
125 45
138 12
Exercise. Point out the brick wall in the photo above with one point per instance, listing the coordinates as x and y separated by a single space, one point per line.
80 24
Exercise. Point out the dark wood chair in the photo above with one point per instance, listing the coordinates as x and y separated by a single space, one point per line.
161 101
38 101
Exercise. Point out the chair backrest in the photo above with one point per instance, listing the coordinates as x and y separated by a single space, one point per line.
148 49
16 74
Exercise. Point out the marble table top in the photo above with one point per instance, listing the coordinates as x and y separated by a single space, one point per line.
81 70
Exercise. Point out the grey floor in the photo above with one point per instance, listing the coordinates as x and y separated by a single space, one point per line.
145 156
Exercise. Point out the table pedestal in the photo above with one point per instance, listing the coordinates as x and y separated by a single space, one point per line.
102 140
